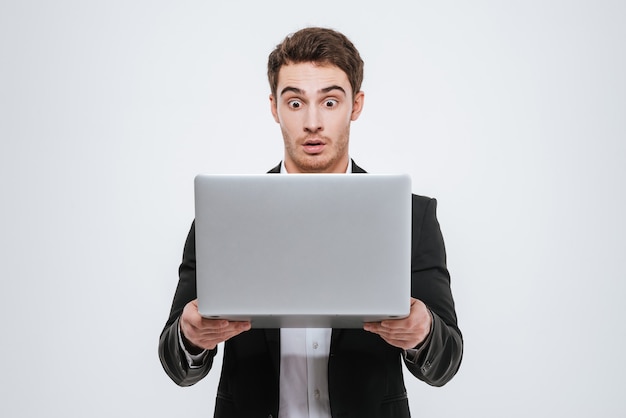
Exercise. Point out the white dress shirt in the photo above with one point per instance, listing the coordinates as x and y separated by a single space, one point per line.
304 373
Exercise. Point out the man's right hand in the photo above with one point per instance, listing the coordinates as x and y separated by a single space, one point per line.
206 334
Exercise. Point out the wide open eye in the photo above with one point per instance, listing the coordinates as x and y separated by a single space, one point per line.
294 104
330 103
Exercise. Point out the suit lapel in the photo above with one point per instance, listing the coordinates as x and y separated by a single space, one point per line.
276 169
357 169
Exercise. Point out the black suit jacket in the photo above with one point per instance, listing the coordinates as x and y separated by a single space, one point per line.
364 372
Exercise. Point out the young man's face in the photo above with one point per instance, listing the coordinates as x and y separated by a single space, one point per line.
314 107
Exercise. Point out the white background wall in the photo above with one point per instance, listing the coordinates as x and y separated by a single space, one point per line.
511 113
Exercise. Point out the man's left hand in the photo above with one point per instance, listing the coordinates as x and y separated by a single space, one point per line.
405 333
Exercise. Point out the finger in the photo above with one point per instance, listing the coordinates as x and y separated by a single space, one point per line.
194 331
404 336
379 327
212 324
397 324
220 337
403 339
211 339
222 327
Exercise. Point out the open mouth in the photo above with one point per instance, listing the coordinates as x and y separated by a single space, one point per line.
313 146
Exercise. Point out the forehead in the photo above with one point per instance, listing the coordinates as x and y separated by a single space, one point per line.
311 77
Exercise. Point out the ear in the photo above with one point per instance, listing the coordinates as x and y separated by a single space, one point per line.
273 108
357 105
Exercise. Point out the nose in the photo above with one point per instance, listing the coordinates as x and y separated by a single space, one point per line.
313 120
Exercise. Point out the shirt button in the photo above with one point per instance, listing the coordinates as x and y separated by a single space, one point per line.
315 345
316 393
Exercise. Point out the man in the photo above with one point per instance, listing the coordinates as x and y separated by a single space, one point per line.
315 78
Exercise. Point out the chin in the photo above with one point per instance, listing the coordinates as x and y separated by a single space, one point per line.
316 165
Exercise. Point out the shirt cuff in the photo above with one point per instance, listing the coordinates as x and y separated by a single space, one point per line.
194 361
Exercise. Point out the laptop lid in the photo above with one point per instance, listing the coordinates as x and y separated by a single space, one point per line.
303 250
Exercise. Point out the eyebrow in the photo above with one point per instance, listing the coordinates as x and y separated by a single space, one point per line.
324 90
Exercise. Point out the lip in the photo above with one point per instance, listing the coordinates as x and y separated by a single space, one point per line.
313 146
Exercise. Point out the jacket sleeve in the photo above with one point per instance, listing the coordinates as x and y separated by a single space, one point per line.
440 358
172 356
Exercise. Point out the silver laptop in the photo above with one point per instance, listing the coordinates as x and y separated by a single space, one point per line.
303 250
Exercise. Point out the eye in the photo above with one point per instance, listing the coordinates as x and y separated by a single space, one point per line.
294 104
330 103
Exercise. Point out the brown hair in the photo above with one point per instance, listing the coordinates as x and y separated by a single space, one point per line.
321 46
